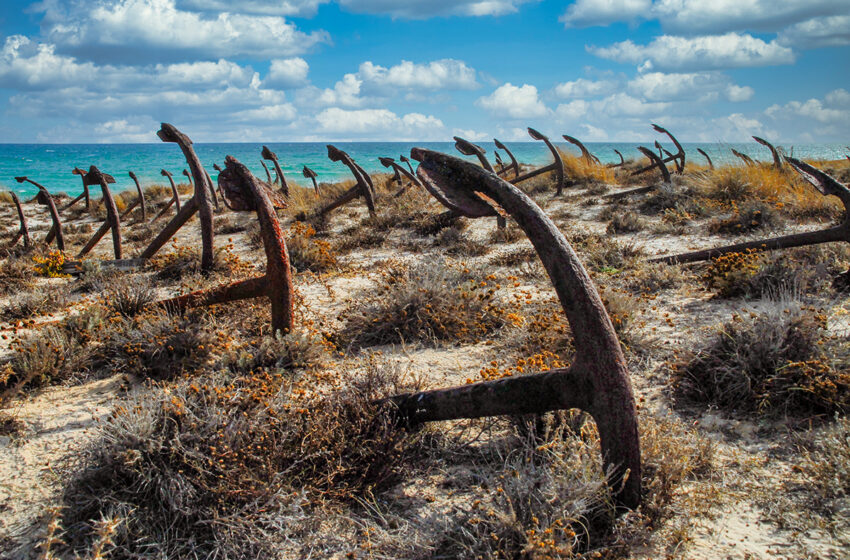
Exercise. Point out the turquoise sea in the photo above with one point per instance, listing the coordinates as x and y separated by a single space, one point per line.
51 164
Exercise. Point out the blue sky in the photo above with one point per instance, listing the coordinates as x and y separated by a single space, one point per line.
316 70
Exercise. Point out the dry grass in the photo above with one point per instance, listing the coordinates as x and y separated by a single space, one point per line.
578 170
783 189
771 362
435 302
238 484
34 304
16 274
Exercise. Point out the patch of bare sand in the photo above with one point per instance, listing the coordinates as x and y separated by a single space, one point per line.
60 422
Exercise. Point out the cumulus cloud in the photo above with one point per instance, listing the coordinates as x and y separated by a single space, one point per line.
122 30
587 13
372 83
445 74
303 8
514 102
27 65
584 88
833 109
420 9
708 52
287 73
336 122
693 86
819 32
700 16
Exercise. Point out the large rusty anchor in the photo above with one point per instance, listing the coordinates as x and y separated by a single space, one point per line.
598 379
45 198
825 184
112 221
200 202
242 191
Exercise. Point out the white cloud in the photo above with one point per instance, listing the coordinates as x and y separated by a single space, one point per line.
573 110
709 52
445 74
623 104
287 73
731 15
584 88
471 135
301 8
27 65
514 102
372 83
586 13
420 9
701 16
819 32
834 109
737 93
694 87
413 126
145 29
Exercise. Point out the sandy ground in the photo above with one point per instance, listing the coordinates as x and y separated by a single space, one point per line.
61 421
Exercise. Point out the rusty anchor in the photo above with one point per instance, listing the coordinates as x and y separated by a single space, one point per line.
200 202
513 166
585 153
777 159
82 195
24 230
44 197
112 221
557 166
597 381
743 157
363 186
139 201
266 168
242 191
310 174
399 170
656 162
708 159
270 155
175 199
678 157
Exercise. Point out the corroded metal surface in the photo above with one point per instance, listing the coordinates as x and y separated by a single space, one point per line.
597 381
243 191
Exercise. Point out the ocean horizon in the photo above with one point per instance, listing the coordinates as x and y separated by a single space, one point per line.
51 164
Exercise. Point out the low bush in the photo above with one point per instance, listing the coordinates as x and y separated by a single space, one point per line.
773 362
423 303
306 252
242 459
